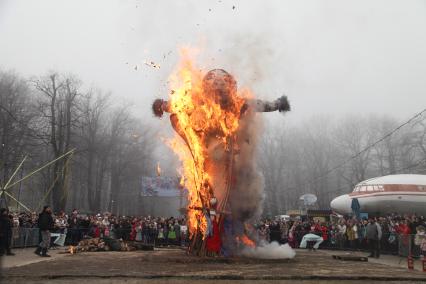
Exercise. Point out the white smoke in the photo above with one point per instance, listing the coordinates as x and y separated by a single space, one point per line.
269 251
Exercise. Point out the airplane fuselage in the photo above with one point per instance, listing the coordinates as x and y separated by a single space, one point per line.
402 194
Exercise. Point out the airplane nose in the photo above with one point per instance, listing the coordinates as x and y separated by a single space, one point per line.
342 204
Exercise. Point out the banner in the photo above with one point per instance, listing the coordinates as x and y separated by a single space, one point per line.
161 186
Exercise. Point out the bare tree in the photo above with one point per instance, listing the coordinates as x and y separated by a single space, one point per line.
131 152
92 144
57 107
352 136
16 134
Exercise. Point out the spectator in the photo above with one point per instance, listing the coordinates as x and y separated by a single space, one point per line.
374 235
341 233
420 239
5 232
45 224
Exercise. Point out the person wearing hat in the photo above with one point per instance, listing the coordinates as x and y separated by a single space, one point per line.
5 232
45 224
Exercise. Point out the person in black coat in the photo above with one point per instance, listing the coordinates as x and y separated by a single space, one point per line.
6 225
45 224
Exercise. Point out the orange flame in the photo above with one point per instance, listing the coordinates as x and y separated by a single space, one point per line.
158 169
245 240
200 117
71 249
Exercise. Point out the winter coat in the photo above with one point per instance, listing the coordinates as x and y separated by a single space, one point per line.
361 231
5 227
138 233
324 230
373 231
351 233
403 229
45 221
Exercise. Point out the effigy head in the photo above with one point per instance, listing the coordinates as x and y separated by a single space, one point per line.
157 107
221 85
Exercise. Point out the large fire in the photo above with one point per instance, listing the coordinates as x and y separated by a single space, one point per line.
203 114
215 124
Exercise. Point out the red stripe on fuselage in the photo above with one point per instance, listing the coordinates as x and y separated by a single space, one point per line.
387 194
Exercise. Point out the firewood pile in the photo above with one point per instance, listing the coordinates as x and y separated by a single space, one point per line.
107 244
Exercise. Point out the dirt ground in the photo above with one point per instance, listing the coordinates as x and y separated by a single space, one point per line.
174 266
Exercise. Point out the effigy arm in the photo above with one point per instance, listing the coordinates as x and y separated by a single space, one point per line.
281 104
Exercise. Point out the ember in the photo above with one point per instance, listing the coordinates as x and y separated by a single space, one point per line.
216 136
152 64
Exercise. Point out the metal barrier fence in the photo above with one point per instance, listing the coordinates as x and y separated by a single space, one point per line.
25 237
402 245
389 244
30 237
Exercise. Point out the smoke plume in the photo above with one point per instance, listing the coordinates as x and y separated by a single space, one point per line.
269 251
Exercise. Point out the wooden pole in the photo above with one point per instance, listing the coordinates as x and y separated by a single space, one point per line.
228 186
20 189
14 173
39 169
20 203
3 190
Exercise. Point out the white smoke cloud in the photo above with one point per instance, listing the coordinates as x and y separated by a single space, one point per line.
269 251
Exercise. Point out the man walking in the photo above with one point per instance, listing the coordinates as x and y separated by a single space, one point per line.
373 234
5 232
45 224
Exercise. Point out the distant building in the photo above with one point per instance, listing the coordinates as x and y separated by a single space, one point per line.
162 196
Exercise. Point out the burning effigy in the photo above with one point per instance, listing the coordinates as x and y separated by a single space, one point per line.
217 133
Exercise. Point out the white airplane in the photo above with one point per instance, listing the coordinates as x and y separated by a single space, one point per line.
402 194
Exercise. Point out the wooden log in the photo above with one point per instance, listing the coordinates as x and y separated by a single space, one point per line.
350 257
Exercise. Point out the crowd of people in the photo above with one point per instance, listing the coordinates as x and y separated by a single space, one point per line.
76 226
379 234
388 234
147 229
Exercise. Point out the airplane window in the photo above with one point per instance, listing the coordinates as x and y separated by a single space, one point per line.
363 188
381 188
370 188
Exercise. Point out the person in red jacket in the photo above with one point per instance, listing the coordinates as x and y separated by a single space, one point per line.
324 233
403 228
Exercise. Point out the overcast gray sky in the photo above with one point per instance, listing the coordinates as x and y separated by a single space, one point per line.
328 56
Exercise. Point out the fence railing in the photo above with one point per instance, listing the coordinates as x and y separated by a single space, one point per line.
30 237
25 237
397 244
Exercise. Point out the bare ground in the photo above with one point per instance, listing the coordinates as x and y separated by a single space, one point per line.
174 266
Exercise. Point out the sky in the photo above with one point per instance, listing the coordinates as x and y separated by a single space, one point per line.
328 56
